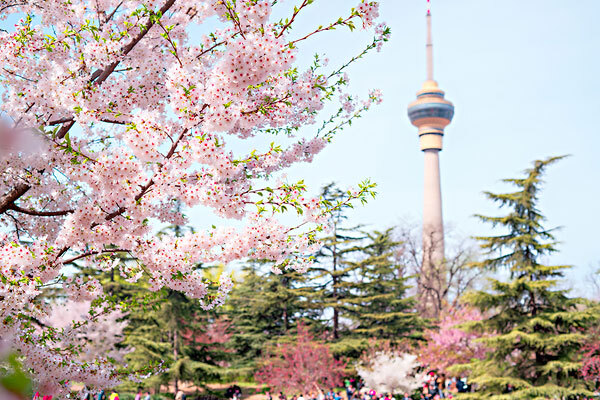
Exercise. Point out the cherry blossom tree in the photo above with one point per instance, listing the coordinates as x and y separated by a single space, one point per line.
99 335
590 363
113 112
450 345
391 372
300 367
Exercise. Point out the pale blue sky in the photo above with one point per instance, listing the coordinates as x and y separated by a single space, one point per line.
523 76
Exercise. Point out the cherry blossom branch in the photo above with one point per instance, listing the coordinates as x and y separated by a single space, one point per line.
265 106
233 16
294 15
97 77
333 25
377 40
168 38
112 14
9 198
211 48
93 253
71 119
101 75
147 186
15 207
18 76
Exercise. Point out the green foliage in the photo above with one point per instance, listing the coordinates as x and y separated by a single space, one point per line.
13 378
536 330
381 307
355 291
264 308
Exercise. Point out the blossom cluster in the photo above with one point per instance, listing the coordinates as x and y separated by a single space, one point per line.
452 343
369 12
115 116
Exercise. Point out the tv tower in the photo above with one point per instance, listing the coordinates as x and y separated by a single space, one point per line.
431 113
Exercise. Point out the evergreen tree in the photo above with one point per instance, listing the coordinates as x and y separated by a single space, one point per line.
172 329
264 307
332 274
381 306
333 277
536 330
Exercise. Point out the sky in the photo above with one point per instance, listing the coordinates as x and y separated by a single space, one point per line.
523 76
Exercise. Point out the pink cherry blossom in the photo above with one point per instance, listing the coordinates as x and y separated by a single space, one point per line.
116 117
450 344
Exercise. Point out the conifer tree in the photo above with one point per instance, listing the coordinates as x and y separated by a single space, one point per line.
171 329
332 274
536 330
264 307
382 308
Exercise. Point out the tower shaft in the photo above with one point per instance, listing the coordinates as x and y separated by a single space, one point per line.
431 113
433 224
432 279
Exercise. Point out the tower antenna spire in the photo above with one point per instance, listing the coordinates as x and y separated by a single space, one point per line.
429 45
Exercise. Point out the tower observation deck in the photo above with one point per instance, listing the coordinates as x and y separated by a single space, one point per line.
431 113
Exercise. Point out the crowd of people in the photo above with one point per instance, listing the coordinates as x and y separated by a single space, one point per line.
102 395
439 387
434 387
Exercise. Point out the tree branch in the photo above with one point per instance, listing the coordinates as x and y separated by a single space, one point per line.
92 253
97 78
9 198
15 207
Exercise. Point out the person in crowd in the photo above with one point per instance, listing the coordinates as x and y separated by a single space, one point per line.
406 397
282 396
138 395
113 396
268 394
101 395
301 397
350 391
147 396
320 394
461 386
452 389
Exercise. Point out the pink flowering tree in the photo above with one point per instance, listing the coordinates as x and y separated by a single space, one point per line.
100 335
590 365
449 344
391 371
113 112
300 367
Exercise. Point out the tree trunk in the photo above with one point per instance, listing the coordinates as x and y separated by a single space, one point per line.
336 313
175 354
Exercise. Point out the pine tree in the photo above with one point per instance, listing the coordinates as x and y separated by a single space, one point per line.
333 277
264 307
172 329
536 330
381 306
